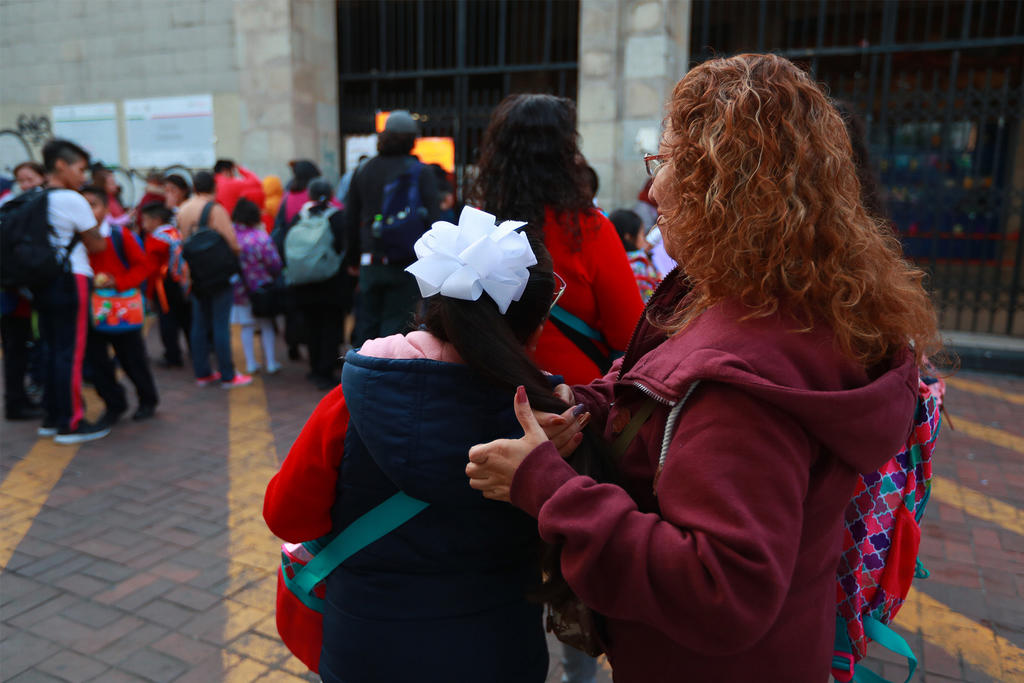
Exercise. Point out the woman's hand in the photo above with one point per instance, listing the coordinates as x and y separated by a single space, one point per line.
103 281
564 430
493 465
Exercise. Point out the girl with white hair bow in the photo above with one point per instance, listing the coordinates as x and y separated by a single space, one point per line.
444 596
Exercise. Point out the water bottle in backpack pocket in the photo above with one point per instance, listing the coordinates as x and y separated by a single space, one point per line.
402 218
309 253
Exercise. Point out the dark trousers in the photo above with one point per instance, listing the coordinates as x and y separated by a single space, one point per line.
16 335
63 326
130 351
387 301
212 314
324 329
177 320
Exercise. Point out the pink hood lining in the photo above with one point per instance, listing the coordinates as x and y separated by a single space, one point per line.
418 344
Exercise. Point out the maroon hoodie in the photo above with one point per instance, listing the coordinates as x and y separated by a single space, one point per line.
724 569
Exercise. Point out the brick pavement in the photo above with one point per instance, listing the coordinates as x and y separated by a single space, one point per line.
146 561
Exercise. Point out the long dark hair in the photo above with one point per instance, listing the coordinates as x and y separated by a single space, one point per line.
492 346
530 159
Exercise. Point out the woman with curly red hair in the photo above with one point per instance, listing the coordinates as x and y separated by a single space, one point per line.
780 360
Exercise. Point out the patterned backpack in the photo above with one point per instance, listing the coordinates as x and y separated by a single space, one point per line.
880 543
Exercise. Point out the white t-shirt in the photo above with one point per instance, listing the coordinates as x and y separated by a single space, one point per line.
68 213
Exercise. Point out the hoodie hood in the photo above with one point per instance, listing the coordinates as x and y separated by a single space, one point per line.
863 418
418 411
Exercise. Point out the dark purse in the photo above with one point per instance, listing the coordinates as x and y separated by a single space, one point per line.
268 299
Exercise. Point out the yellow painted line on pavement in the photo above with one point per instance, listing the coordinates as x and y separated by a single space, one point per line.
980 647
993 435
253 552
983 389
978 504
27 486
25 489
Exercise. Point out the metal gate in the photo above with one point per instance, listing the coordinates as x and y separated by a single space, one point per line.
941 88
451 62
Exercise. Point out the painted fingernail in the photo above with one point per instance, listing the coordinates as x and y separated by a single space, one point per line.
578 409
585 420
521 395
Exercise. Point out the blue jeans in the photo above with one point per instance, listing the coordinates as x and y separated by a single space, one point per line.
212 312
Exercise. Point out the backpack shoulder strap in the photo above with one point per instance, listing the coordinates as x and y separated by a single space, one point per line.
624 439
375 524
117 238
204 217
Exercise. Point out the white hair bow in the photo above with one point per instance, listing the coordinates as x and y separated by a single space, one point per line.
462 261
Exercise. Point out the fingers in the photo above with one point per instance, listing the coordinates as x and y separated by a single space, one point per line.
564 392
531 428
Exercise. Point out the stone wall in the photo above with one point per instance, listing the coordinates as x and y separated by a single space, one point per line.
632 52
271 66
81 51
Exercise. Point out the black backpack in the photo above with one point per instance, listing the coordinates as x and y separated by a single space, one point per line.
402 219
211 260
27 259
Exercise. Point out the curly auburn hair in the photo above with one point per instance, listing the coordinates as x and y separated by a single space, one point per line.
530 160
764 206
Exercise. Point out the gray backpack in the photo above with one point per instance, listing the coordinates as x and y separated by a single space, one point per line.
309 249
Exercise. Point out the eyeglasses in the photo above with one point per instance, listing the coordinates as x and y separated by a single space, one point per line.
654 162
559 291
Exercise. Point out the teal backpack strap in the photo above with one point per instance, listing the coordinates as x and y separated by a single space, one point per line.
566 318
378 522
843 664
890 640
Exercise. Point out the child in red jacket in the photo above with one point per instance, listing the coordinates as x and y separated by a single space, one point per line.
121 266
168 280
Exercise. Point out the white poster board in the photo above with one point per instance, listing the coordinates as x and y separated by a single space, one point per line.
167 131
93 127
357 146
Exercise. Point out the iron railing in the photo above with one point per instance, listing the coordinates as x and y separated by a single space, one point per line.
451 62
940 85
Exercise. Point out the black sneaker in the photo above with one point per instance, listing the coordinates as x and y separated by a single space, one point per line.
144 413
48 428
85 431
110 417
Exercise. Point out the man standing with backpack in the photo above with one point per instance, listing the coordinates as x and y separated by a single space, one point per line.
211 249
393 199
46 240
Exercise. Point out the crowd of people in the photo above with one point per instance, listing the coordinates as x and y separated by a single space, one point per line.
337 262
653 432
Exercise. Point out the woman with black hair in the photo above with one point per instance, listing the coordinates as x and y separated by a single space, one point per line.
531 166
443 597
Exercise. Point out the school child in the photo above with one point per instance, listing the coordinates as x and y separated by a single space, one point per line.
261 265
629 226
168 281
122 266
449 587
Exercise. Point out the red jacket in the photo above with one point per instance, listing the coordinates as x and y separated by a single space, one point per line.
600 290
723 567
108 261
230 189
